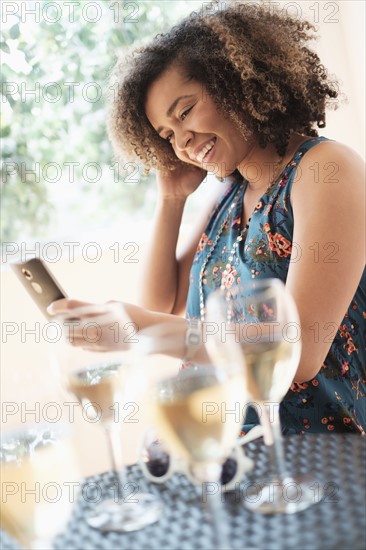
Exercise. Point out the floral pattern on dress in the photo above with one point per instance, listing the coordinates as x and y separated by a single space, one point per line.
334 400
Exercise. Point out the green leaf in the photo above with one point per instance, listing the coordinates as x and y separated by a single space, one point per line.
4 47
5 131
14 32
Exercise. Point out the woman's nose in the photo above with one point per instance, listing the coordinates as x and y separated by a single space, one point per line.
182 139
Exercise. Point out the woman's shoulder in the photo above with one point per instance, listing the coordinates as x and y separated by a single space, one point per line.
330 173
330 151
326 161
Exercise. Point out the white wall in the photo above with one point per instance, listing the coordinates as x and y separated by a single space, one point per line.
341 48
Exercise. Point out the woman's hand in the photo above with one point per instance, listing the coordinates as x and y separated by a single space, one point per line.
181 182
113 326
102 327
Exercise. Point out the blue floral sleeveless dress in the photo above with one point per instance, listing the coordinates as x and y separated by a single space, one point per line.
333 401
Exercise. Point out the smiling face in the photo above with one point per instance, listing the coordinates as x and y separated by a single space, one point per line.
183 113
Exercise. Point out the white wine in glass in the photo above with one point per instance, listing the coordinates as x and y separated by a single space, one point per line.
265 362
265 329
194 412
38 468
104 383
99 387
191 412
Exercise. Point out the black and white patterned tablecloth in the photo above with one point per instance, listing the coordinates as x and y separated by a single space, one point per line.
338 462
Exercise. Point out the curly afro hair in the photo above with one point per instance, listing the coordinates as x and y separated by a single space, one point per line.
252 60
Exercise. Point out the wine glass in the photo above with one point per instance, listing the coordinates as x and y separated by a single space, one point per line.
104 383
38 470
194 410
261 322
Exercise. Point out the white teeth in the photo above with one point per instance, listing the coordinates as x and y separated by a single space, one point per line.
205 150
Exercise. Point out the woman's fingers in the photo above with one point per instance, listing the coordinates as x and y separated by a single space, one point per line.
97 327
65 305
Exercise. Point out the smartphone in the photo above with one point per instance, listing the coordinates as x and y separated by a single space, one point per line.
39 282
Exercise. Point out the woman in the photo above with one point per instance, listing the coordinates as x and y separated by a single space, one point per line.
238 93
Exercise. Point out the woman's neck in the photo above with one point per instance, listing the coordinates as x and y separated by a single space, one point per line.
262 166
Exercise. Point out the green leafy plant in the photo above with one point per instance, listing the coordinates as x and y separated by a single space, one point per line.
55 152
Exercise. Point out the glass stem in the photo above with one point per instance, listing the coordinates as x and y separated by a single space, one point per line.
216 514
115 453
274 442
210 475
41 544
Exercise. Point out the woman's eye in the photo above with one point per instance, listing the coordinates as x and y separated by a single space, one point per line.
185 113
182 116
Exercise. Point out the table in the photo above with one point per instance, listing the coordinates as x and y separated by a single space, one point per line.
337 461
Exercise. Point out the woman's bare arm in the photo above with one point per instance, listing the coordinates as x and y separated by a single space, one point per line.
165 282
328 201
